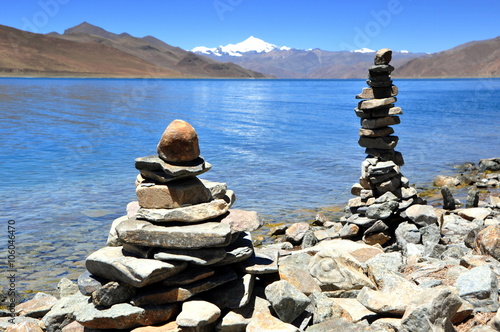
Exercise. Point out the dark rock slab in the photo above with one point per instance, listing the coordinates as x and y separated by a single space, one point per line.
158 294
194 256
156 169
110 263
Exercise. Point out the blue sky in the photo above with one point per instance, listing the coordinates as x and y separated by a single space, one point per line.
415 25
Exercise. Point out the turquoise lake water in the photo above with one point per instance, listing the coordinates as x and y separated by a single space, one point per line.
287 148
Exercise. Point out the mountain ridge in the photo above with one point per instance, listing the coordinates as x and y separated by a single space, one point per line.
482 59
86 50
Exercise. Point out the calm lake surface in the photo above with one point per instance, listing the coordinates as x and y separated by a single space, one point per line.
288 148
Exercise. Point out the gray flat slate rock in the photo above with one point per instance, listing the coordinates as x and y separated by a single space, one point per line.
112 264
206 235
123 316
194 256
187 214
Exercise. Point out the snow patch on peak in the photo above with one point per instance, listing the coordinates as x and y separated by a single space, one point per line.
364 50
251 44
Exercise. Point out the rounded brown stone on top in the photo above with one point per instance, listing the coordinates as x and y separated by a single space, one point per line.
383 56
179 143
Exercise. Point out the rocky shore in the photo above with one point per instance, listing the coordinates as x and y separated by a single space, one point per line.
320 279
396 260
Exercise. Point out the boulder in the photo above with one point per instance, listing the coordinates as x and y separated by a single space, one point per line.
36 307
448 200
381 211
394 296
444 180
479 286
197 314
113 293
66 287
383 56
323 308
178 143
295 270
173 194
88 283
422 215
242 221
62 313
432 311
488 241
336 270
287 301
296 232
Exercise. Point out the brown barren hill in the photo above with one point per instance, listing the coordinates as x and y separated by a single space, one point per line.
28 54
159 53
476 59
90 51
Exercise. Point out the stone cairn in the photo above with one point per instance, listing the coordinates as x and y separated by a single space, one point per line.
181 241
384 194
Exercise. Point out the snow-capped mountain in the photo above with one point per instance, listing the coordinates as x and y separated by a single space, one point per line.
249 45
364 50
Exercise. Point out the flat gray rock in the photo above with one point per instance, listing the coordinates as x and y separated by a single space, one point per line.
123 316
196 314
110 263
187 214
144 233
194 256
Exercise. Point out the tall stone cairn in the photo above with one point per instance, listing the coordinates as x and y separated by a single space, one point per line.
180 240
383 192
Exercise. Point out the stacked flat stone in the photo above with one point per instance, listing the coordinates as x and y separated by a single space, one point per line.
183 241
383 192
